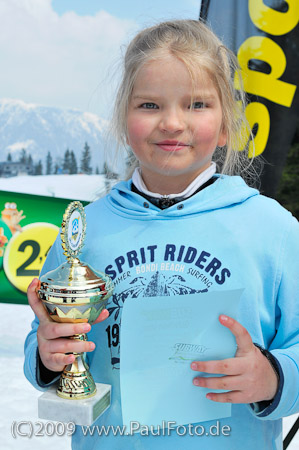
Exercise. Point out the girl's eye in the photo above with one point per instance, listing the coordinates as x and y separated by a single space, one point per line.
198 105
148 105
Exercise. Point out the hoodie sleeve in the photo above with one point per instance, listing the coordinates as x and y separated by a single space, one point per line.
31 363
285 345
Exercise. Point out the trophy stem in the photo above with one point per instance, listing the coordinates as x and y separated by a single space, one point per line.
76 381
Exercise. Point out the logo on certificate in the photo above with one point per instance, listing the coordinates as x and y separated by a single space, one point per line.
184 353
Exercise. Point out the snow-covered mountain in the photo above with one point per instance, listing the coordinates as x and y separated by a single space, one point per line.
39 129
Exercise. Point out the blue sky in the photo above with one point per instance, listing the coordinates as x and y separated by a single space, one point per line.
66 53
129 9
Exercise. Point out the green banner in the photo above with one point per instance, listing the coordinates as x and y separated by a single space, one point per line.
29 225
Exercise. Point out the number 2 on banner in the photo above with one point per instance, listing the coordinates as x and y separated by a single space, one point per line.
26 252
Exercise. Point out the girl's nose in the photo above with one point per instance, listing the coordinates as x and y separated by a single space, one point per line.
171 121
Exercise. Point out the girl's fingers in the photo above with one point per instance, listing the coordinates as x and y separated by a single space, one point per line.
243 338
57 361
228 397
103 316
230 366
229 383
54 330
35 302
65 346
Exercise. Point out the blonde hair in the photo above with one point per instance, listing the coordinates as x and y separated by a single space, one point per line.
193 43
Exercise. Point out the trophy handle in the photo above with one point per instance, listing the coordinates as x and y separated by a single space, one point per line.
76 381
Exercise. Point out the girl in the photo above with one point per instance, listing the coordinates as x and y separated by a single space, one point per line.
179 113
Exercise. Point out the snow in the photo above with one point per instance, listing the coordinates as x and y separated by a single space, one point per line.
19 398
98 122
79 187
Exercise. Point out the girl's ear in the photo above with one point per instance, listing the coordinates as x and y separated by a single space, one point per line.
222 138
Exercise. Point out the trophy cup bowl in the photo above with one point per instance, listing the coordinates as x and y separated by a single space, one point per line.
75 293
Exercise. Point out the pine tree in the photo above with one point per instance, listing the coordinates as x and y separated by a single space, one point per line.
106 170
23 157
85 161
38 169
9 158
67 162
30 165
97 171
73 163
49 164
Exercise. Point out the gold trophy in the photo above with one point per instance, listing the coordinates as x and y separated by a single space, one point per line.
76 293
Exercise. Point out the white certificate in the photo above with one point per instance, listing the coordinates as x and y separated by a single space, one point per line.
160 337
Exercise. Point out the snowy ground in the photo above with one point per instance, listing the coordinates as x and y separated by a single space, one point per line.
19 398
79 187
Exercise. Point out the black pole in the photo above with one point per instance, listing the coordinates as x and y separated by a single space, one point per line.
290 434
203 14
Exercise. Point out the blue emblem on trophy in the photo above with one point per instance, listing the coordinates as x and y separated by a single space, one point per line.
75 228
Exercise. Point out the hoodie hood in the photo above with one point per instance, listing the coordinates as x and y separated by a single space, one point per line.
224 192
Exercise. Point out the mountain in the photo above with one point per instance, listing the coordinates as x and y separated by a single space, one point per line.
39 129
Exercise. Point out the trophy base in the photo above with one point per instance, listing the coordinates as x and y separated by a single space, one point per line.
82 412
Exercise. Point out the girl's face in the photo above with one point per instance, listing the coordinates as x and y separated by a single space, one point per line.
173 139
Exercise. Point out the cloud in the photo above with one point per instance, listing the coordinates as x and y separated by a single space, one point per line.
58 60
17 146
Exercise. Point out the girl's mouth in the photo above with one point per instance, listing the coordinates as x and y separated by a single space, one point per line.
171 145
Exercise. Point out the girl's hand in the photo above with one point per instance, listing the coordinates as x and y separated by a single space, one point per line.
51 336
249 376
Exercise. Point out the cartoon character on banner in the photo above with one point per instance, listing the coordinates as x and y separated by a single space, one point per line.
12 217
9 225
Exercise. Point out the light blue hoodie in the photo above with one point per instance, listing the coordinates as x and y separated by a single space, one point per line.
224 237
